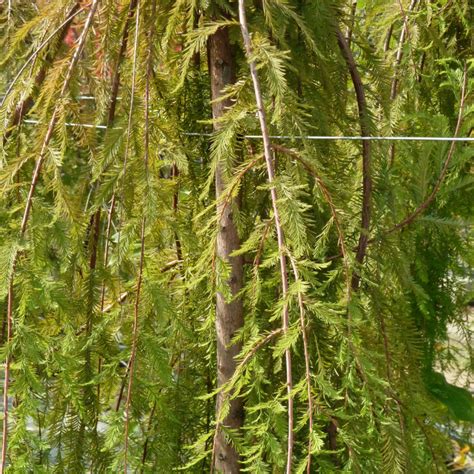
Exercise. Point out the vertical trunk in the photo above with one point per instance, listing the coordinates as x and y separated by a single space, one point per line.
229 316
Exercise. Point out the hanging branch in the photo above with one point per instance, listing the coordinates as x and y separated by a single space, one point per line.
366 156
306 363
147 438
398 60
327 197
399 55
350 27
110 121
439 181
26 214
133 354
267 148
123 49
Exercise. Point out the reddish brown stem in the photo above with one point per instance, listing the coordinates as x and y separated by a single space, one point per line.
147 439
123 49
366 157
110 121
131 363
398 60
401 42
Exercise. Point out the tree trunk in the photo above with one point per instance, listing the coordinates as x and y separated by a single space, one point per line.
229 315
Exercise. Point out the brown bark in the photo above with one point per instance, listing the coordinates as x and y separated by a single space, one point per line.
229 315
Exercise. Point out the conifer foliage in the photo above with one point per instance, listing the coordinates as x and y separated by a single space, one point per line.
186 281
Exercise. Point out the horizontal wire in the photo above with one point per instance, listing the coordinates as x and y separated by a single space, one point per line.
297 137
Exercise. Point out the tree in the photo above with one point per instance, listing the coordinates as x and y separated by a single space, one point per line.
188 281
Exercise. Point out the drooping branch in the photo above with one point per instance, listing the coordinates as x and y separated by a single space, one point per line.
110 121
439 181
328 198
133 354
304 336
350 27
399 55
366 156
26 213
123 49
396 66
267 148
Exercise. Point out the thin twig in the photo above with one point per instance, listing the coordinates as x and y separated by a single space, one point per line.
398 60
147 438
133 354
228 388
401 41
110 120
26 104
350 27
236 181
307 364
279 229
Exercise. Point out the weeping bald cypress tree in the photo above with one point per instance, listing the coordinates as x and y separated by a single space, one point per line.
187 281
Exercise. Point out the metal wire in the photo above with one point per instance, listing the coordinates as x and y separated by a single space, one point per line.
296 137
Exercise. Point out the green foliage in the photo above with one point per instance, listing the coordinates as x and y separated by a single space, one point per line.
373 354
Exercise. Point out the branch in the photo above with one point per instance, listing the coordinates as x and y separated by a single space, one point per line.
110 120
401 41
35 53
26 104
279 230
425 204
398 60
131 364
306 363
366 155
227 389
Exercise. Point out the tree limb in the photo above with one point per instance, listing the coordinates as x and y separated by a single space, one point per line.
366 156
279 229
